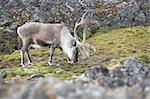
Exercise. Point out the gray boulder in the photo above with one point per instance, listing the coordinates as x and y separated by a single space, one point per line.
3 74
5 21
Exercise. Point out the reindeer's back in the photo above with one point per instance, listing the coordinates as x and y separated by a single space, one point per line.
35 28
47 33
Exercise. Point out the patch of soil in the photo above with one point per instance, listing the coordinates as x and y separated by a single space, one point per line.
8 64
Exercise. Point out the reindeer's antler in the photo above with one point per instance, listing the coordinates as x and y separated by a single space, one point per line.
83 21
82 46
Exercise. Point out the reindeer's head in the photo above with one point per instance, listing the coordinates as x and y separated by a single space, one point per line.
72 45
72 51
69 45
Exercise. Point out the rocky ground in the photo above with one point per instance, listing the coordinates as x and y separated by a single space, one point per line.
130 12
130 80
109 13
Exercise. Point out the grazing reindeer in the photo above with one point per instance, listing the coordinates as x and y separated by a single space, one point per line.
53 36
47 35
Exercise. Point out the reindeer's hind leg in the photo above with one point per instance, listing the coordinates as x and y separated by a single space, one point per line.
22 57
24 49
52 49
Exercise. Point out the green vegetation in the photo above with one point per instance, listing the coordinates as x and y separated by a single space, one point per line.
113 47
119 44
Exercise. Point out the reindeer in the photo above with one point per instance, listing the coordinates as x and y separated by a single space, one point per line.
54 36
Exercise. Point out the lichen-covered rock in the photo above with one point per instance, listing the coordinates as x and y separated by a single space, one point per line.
127 74
50 88
5 21
131 12
95 71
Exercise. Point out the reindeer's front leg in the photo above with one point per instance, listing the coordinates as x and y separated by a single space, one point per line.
28 57
52 49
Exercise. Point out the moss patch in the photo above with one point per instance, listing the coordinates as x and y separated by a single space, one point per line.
123 43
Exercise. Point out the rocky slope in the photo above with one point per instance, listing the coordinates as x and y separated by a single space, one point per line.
113 13
130 12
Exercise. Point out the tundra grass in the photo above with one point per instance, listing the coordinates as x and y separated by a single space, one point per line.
113 47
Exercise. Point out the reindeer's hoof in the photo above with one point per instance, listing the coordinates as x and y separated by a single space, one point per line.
57 65
50 64
30 63
70 62
23 65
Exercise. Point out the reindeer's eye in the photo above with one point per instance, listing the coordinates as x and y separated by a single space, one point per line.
74 43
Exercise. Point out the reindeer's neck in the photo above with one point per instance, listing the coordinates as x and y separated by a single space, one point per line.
66 38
